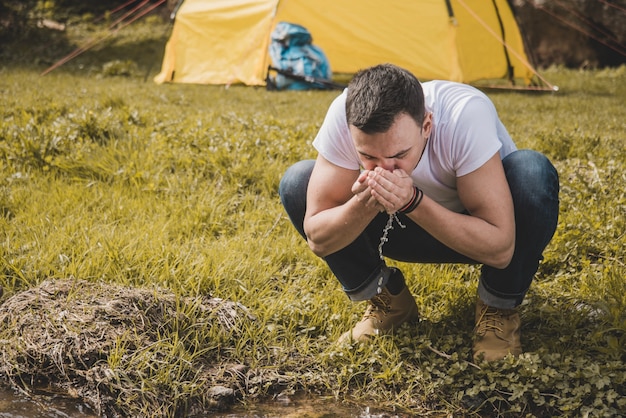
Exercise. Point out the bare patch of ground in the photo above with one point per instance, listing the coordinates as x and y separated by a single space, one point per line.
109 344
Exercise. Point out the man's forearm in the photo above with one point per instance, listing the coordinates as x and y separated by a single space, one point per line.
333 229
468 235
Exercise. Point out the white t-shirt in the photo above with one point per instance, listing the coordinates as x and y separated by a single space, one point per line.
466 133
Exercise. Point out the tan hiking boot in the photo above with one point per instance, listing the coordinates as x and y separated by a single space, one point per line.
497 333
384 313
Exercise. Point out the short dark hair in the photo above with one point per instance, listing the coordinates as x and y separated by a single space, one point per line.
378 94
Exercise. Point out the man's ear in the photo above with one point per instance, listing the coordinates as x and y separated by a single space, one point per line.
427 126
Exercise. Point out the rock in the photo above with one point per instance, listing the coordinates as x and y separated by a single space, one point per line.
220 392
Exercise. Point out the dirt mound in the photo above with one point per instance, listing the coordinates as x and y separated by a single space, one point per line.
117 347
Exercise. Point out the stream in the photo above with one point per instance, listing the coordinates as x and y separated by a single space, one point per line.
16 405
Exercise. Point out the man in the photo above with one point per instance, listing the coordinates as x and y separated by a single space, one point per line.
436 158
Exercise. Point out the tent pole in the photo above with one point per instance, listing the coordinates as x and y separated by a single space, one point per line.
517 55
509 67
450 12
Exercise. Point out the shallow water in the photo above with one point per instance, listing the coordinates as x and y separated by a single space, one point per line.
17 405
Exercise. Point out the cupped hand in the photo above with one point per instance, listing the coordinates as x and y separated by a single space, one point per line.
364 192
391 189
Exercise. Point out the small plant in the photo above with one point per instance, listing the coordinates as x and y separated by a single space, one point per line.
119 68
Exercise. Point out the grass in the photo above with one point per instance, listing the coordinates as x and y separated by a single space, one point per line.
110 178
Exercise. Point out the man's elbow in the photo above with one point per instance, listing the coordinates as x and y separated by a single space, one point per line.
315 242
318 249
502 259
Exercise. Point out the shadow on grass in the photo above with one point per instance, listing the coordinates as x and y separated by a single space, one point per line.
41 49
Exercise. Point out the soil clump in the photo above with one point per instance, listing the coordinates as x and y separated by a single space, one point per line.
113 346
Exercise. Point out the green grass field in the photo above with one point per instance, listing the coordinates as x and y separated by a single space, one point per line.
110 178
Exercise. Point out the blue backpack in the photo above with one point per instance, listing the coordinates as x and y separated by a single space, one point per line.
299 65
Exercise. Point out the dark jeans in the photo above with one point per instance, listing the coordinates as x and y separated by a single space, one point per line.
534 185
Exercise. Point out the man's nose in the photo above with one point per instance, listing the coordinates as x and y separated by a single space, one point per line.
388 164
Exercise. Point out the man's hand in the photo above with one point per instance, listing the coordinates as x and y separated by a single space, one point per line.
392 190
363 192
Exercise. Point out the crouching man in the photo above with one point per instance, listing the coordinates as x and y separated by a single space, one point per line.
436 158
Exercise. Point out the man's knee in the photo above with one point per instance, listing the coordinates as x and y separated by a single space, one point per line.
531 173
296 177
292 191
294 182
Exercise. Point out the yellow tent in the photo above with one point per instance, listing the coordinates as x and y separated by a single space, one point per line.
226 41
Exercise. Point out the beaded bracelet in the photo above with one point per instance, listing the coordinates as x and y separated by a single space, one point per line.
414 202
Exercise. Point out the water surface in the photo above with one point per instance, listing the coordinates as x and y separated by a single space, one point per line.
18 405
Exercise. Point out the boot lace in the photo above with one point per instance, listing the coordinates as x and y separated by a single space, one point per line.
380 303
490 319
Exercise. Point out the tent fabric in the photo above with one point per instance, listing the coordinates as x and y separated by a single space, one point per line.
226 41
219 42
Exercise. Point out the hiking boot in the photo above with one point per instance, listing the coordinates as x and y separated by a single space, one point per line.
497 333
384 313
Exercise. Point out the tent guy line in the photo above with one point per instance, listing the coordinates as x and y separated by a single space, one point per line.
93 42
508 48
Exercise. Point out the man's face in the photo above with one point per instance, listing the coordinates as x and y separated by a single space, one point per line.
401 147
